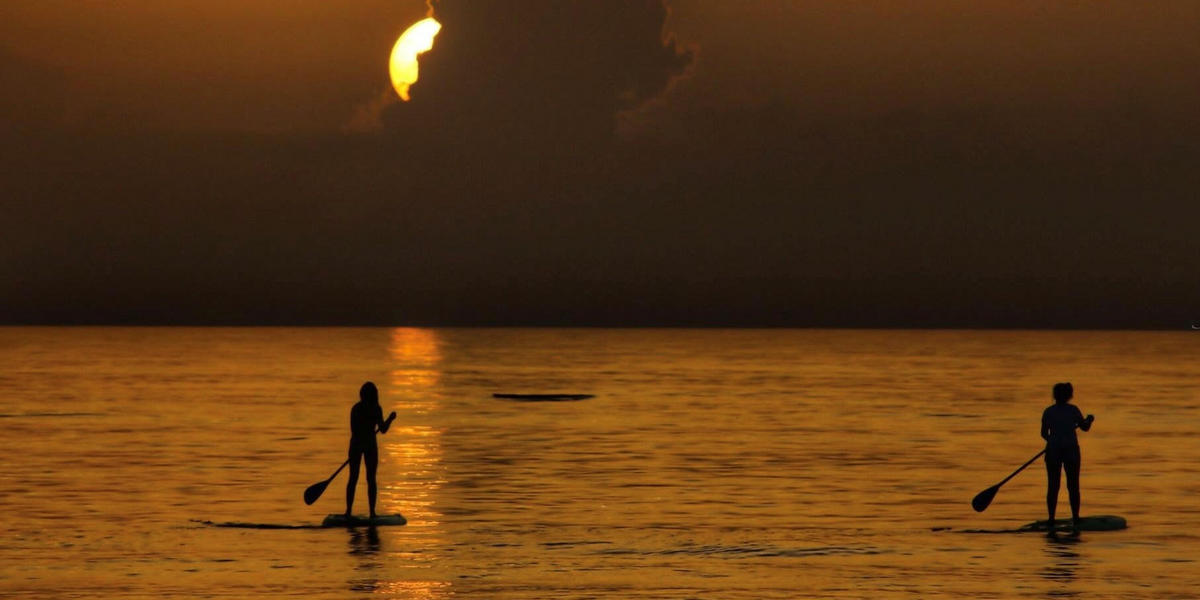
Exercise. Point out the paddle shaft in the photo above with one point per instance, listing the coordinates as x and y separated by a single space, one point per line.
339 469
983 499
1014 473
1029 462
315 490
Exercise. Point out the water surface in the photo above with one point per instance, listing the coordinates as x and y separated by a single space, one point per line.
710 464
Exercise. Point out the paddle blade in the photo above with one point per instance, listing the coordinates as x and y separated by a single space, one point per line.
981 500
315 490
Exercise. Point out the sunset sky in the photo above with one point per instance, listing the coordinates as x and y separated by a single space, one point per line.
993 163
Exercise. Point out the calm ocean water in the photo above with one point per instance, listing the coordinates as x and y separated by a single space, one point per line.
711 464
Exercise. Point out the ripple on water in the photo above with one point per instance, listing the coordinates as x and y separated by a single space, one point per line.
749 551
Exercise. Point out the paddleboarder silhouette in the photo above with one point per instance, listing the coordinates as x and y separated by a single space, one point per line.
364 417
1059 421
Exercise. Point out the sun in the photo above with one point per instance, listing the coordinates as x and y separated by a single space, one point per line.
415 40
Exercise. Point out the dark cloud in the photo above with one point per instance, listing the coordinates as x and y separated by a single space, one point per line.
560 70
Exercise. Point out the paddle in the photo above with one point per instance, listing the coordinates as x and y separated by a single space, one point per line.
981 500
315 490
984 498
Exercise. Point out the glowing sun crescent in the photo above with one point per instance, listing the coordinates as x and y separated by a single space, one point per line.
415 40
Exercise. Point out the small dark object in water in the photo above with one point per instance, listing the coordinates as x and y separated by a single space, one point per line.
543 397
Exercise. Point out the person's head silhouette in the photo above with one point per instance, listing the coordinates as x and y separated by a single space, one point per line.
1063 392
368 394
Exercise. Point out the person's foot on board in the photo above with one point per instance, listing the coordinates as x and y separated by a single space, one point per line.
1075 527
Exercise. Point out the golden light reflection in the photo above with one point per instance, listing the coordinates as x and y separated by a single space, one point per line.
413 446
417 456
415 40
417 590
415 375
412 450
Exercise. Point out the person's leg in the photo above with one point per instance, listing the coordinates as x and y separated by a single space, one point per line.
1053 478
1071 465
355 458
372 460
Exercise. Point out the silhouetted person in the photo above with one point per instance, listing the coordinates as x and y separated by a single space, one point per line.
1059 421
365 415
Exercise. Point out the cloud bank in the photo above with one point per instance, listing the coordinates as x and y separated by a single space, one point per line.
538 71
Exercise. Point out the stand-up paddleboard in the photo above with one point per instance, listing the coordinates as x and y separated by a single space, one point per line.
340 520
329 522
1096 523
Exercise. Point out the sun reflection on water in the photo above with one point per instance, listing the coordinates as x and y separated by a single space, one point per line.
413 452
417 590
415 374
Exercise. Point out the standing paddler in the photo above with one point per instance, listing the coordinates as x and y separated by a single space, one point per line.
364 417
1059 421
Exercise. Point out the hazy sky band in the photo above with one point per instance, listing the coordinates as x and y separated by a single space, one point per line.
870 163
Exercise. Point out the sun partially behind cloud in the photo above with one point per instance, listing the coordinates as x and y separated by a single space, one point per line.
415 40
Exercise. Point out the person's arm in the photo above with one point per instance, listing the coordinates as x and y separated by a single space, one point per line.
385 424
1045 431
1085 424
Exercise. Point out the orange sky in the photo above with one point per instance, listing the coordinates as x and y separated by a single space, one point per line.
299 65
